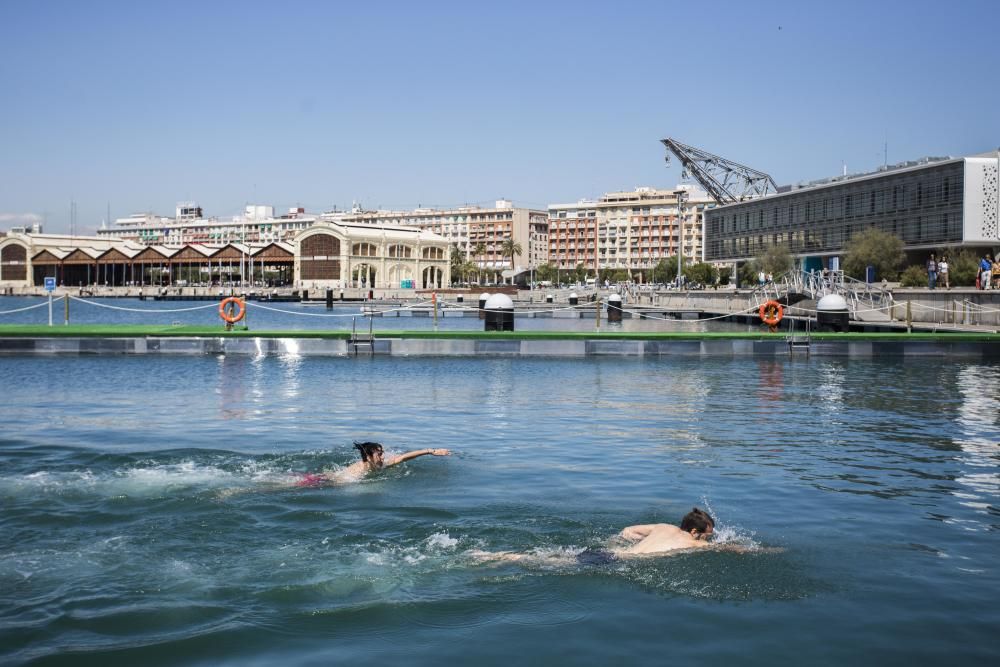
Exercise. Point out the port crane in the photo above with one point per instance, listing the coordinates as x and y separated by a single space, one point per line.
727 181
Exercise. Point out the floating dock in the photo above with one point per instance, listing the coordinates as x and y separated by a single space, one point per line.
203 340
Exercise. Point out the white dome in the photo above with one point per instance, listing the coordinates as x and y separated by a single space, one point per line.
573 295
499 302
831 303
484 296
615 297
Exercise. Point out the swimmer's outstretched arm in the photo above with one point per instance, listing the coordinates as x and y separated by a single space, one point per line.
414 454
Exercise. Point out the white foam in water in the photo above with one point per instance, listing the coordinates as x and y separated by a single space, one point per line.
145 480
441 541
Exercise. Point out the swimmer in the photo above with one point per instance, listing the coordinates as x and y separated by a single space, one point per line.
372 459
655 539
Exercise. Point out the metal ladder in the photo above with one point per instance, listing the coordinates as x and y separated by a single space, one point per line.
363 339
798 343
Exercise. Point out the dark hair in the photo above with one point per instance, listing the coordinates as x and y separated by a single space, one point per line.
698 520
368 449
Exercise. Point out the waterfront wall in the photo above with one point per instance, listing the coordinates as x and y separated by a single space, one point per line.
417 347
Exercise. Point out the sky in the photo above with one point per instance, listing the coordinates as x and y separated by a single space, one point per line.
135 106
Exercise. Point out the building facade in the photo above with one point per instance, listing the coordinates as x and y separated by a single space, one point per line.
934 203
326 255
632 231
257 224
477 232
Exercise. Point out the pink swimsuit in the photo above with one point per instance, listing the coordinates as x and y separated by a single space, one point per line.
311 479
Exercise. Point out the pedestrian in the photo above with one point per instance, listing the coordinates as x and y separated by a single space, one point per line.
932 269
996 272
943 271
986 271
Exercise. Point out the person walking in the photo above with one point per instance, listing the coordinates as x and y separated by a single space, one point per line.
943 271
932 269
986 271
996 272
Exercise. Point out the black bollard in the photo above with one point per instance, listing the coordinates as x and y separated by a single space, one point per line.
573 299
614 308
499 313
482 304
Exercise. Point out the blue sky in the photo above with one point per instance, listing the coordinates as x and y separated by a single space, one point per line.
400 104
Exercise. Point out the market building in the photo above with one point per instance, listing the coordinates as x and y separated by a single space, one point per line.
324 255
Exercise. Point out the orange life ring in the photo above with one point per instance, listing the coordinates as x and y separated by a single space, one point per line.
232 318
771 313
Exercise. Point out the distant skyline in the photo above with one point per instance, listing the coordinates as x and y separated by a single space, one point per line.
440 104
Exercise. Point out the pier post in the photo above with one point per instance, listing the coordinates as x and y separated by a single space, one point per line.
66 319
909 318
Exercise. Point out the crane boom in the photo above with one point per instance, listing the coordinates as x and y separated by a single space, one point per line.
729 182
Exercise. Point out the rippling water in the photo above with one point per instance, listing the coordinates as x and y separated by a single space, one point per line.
146 517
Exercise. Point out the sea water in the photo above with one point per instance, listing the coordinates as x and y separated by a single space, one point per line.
311 316
148 513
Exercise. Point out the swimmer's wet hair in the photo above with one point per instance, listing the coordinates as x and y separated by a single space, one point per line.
367 449
698 520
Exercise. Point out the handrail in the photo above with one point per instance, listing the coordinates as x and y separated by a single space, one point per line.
859 295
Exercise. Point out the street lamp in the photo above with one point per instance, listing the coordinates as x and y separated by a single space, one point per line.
681 198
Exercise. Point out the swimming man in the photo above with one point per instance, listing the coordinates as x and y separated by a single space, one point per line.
372 459
654 539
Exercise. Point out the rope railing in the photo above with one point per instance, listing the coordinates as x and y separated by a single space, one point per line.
21 310
967 306
97 304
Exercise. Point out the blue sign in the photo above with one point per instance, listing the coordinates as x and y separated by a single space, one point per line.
406 284
50 284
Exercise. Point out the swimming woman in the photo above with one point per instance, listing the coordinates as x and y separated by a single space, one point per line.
372 459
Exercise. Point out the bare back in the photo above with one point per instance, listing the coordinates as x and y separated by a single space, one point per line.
660 538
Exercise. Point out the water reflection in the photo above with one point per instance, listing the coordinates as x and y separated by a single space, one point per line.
977 421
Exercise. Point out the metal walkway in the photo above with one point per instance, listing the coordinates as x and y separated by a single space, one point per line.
866 302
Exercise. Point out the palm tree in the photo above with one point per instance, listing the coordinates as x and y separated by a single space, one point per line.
478 251
509 248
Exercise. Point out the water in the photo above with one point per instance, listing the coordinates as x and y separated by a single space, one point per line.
298 316
143 517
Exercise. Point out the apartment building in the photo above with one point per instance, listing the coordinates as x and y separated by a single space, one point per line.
257 224
628 230
478 232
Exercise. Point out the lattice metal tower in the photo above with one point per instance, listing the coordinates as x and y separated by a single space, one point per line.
729 182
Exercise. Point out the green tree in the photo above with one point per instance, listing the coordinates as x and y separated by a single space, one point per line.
545 271
580 273
665 270
509 248
963 267
775 260
702 272
914 276
873 247
478 252
457 264
748 273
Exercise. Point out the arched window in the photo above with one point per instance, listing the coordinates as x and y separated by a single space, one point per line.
14 261
320 257
365 250
433 253
400 251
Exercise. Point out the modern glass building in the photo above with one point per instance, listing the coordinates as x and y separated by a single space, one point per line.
930 204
